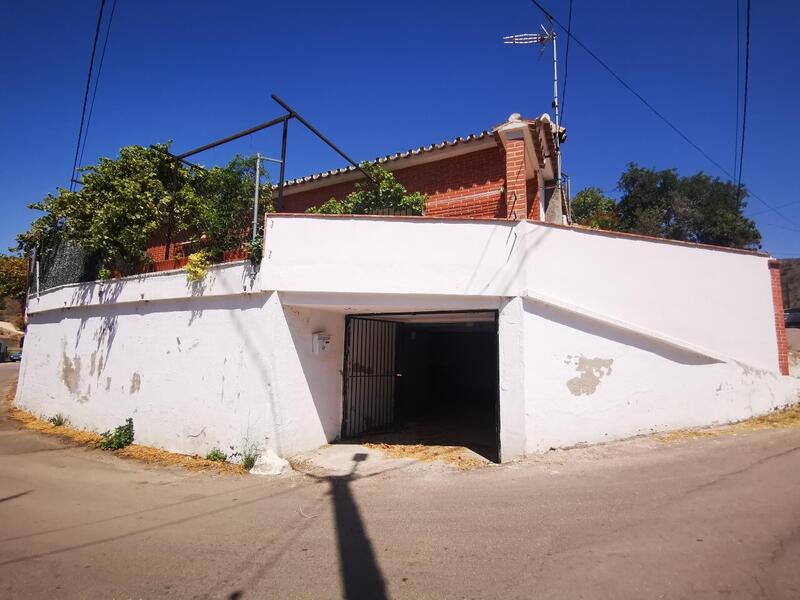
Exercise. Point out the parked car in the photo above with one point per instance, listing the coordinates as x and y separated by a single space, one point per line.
792 317
15 356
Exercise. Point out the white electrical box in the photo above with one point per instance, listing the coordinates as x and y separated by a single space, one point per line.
320 342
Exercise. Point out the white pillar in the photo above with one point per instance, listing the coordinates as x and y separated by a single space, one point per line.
511 346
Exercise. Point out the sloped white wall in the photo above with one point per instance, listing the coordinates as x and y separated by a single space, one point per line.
587 381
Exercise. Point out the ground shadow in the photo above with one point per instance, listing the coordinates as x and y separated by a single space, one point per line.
359 571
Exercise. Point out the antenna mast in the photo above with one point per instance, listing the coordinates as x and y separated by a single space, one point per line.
542 39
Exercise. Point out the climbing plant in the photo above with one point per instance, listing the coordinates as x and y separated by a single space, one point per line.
220 210
369 197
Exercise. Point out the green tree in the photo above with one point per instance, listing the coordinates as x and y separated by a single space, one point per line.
592 208
369 198
698 208
125 201
13 277
122 202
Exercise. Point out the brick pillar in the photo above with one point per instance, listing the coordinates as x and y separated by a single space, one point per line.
780 324
534 202
516 194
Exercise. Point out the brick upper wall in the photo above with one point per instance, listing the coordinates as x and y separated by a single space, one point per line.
468 185
464 185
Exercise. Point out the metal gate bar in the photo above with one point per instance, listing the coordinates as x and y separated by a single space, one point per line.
370 373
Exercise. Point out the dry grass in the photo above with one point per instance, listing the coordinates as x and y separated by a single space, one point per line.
456 456
146 454
155 456
788 417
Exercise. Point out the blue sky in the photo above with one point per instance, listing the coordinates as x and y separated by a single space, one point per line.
378 77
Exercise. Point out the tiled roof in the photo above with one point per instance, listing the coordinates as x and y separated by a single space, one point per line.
392 157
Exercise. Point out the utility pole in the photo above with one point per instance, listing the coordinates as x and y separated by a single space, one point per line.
555 110
255 197
542 39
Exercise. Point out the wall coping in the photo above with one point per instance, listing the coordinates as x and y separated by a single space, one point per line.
498 221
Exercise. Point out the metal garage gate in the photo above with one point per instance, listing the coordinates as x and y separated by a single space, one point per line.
369 375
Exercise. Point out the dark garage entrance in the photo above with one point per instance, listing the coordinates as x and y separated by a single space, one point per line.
423 378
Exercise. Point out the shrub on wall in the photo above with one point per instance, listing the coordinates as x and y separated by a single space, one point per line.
125 201
197 266
384 194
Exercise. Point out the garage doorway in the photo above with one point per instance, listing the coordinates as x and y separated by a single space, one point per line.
426 378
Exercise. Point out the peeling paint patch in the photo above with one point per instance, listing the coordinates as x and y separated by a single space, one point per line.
71 373
136 383
591 371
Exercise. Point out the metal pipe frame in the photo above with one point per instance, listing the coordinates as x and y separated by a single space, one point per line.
235 136
284 120
315 131
172 156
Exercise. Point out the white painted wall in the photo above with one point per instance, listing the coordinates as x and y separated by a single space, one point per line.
195 368
714 300
588 381
388 256
601 337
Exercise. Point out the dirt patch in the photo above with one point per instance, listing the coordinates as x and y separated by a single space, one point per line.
456 456
788 417
146 454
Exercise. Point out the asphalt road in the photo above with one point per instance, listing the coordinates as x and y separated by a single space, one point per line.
701 519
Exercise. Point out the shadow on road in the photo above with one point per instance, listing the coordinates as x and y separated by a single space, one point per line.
7 498
360 573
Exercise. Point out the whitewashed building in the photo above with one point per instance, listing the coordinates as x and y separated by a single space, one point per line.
508 336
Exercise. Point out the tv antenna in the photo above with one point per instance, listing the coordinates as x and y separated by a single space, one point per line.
542 39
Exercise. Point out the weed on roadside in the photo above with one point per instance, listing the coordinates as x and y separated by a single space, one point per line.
248 455
249 458
217 455
121 437
58 420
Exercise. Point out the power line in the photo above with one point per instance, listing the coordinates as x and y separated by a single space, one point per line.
97 80
656 112
627 86
768 224
761 212
566 61
744 97
738 84
86 93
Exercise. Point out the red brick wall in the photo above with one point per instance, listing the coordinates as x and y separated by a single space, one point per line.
534 202
157 246
462 186
469 185
516 186
780 324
